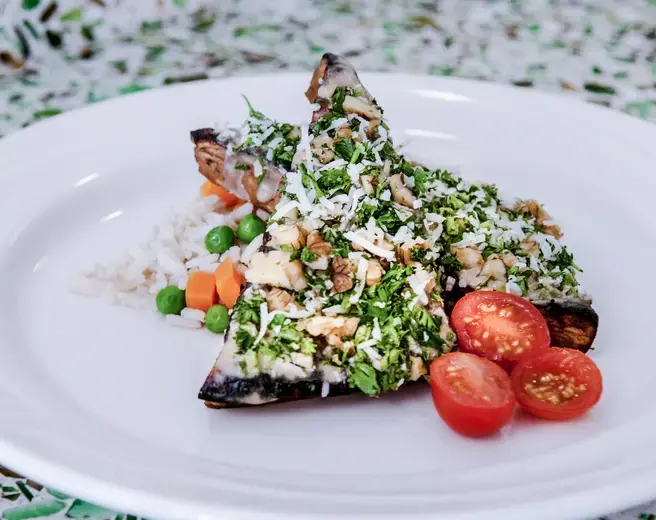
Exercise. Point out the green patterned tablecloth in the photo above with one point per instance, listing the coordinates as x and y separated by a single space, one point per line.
56 55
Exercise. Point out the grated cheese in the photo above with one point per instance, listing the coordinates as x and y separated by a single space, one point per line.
251 249
369 246
285 209
335 164
275 142
264 321
336 124
376 333
327 203
305 143
257 167
354 171
361 275
295 186
334 310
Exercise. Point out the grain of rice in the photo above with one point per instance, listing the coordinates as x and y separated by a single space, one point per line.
202 260
251 248
234 253
185 323
193 314
241 212
209 268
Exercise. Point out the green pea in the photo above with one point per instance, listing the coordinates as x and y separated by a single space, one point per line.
250 227
216 319
219 239
170 300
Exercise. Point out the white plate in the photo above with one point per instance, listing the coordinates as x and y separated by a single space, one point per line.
100 401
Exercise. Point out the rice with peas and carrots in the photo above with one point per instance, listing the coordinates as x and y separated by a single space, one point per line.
170 257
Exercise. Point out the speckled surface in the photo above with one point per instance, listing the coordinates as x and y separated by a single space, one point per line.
59 55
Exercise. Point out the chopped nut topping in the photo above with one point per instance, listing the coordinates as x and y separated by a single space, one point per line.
317 244
341 277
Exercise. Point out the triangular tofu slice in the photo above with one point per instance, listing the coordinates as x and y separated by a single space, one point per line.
346 293
336 301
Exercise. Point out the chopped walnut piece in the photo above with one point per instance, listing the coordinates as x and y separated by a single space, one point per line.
333 328
315 243
344 131
341 276
417 368
535 209
278 299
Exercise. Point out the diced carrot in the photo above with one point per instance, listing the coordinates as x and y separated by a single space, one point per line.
228 283
209 188
201 291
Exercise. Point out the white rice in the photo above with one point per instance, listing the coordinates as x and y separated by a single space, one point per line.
181 321
193 314
175 249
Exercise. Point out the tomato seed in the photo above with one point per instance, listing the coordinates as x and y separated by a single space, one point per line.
554 389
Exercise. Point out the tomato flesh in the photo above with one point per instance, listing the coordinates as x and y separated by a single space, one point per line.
499 326
471 394
557 383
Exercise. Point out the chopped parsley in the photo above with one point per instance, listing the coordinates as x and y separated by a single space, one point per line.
341 246
383 212
451 263
337 101
332 181
363 376
418 254
284 340
344 148
309 181
324 122
247 310
305 255
252 112
565 259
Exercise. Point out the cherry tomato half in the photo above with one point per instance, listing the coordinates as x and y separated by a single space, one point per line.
499 326
557 383
472 395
